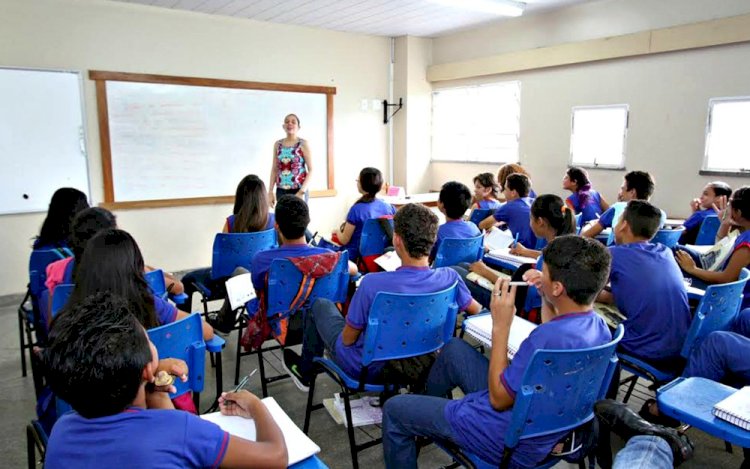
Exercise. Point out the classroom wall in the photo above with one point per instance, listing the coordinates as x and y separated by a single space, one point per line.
668 94
94 34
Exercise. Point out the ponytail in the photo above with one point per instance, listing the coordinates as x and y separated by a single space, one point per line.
559 216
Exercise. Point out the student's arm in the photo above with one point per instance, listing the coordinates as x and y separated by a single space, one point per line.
603 203
593 230
345 235
605 297
208 331
272 180
740 259
473 308
503 309
487 223
353 270
720 207
268 450
172 283
309 168
225 228
480 268
349 335
520 250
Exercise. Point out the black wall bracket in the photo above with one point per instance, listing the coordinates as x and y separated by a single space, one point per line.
386 105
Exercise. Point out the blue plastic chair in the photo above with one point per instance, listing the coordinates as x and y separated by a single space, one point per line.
158 286
669 238
453 251
284 281
708 230
60 297
480 214
398 326
716 311
373 240
557 394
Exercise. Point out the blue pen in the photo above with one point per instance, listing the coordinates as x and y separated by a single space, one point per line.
515 241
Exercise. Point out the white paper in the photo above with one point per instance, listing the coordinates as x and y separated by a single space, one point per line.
480 327
505 255
240 290
363 412
389 261
498 239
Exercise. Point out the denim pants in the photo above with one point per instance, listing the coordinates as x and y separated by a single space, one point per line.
408 416
652 452
481 294
724 357
321 327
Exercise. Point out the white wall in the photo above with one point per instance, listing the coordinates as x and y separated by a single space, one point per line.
668 94
93 34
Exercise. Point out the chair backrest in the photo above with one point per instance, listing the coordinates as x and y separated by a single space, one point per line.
479 214
669 238
232 250
716 311
559 389
284 281
155 281
373 240
406 325
183 339
707 232
38 262
60 297
619 208
452 251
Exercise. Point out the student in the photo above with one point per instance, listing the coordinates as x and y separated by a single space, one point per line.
637 185
575 270
738 213
515 213
486 192
415 229
508 169
453 202
703 207
648 289
101 362
291 168
55 231
584 200
250 213
368 207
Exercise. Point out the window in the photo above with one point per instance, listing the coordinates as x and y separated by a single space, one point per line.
476 123
597 137
728 136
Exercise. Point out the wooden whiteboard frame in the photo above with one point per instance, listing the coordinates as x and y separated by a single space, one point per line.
101 78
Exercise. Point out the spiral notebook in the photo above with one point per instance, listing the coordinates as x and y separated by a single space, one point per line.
735 409
480 327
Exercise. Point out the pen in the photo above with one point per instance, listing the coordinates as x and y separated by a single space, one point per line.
244 381
515 241
514 284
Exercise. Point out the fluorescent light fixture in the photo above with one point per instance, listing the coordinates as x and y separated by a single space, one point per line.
496 7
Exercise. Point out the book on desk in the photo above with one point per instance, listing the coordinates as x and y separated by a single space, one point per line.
735 409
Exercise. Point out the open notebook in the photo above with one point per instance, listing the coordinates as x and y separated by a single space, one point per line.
735 409
480 327
611 315
485 282
505 255
498 239
299 446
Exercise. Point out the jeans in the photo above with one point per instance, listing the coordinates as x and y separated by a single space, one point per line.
723 357
321 328
202 276
652 452
481 294
408 416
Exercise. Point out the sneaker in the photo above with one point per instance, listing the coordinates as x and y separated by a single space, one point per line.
291 366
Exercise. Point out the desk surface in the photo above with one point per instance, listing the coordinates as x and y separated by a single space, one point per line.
429 199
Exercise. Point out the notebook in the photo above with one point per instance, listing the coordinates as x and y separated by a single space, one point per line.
735 409
480 327
364 410
498 239
484 282
389 261
505 255
299 446
611 315
240 290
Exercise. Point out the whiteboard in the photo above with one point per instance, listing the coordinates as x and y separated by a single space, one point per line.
42 141
172 141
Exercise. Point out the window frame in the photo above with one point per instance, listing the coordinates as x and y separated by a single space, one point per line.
705 169
498 161
595 165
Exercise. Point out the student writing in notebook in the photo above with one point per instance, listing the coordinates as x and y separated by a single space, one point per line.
575 270
101 361
515 212
453 201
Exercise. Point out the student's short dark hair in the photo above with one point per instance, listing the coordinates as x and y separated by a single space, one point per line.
580 264
643 218
456 199
720 188
519 183
741 201
292 216
416 225
642 182
95 356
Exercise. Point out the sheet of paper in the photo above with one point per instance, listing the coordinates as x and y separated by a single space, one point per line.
389 261
240 290
498 239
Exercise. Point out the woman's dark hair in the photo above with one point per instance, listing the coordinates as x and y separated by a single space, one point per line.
720 188
741 201
552 208
583 186
488 180
371 181
65 203
112 262
508 169
250 205
85 225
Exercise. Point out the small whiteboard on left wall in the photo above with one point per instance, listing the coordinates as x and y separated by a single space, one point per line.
42 138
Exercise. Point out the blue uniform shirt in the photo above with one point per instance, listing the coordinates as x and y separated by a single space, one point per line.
405 279
454 229
136 438
516 214
591 211
481 429
742 241
693 225
607 218
489 204
269 224
650 292
358 215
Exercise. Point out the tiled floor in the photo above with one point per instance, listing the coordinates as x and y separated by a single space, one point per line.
17 406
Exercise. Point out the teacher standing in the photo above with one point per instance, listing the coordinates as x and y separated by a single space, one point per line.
291 170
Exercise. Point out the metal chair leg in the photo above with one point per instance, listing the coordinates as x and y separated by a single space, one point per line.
219 374
350 430
22 342
30 447
309 408
238 356
262 368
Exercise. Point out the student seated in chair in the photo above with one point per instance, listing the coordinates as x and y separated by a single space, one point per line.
101 362
648 289
574 271
516 212
454 201
415 228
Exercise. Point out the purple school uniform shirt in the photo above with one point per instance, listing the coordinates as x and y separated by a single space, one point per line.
742 241
650 292
405 279
481 429
608 217
516 215
269 224
358 215
693 225
166 312
454 229
136 438
592 209
262 261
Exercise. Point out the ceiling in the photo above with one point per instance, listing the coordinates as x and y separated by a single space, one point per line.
426 18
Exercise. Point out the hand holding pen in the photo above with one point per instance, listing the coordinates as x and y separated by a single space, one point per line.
239 402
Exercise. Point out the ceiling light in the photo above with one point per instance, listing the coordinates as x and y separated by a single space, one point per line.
496 7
